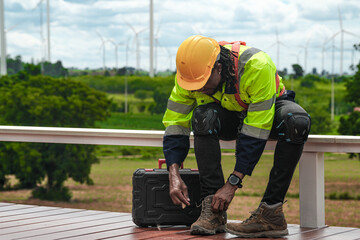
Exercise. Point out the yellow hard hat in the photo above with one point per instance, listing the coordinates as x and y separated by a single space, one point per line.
195 59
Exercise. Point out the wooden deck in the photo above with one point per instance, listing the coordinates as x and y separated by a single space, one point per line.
18 221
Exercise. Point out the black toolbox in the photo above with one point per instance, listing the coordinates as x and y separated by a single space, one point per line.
152 204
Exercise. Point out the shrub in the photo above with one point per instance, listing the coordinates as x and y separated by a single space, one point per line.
45 101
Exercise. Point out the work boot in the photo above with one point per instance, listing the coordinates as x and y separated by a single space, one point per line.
266 221
209 222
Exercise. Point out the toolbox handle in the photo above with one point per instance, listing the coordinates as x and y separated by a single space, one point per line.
162 161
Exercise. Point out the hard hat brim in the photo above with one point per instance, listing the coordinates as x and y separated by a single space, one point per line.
190 84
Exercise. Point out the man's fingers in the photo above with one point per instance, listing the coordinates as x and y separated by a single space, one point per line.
215 205
184 199
178 198
222 206
186 195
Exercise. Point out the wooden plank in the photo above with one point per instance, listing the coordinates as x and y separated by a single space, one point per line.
293 229
349 235
116 232
52 216
25 211
147 233
45 229
68 221
84 232
15 207
319 233
40 214
2 204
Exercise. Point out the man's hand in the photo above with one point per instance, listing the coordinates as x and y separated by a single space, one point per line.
224 195
178 189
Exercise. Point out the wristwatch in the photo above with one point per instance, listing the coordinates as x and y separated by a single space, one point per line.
235 180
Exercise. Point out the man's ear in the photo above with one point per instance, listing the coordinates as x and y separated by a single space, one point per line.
219 67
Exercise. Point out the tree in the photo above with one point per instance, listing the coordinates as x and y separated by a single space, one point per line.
142 94
45 101
161 96
320 118
314 71
32 69
298 71
350 125
353 85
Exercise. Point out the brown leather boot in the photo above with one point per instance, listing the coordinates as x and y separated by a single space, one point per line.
208 223
266 221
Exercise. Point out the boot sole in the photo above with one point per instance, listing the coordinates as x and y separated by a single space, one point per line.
197 230
273 233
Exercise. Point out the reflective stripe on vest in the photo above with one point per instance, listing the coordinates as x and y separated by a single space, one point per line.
177 130
179 108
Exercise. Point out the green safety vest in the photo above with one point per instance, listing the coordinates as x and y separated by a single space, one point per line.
258 87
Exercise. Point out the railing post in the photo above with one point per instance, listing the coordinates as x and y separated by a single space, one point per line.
312 200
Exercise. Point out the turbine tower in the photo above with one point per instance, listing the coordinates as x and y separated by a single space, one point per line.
103 42
305 47
277 43
137 43
151 71
3 70
48 29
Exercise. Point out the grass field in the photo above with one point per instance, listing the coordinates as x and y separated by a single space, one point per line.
113 188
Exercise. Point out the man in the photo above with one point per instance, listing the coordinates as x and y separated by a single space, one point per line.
231 91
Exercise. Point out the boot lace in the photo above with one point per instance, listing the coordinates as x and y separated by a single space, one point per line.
254 215
206 212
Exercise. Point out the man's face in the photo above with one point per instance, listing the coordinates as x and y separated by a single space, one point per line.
213 81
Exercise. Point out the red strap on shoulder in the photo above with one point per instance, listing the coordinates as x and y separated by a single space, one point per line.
235 48
278 83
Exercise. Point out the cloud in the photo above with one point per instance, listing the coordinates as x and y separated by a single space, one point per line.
75 23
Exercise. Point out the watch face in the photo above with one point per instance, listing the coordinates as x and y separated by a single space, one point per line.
234 180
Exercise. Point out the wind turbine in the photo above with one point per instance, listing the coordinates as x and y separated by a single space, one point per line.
170 58
277 43
305 47
332 80
126 80
137 43
3 70
323 50
116 50
103 42
48 52
157 44
48 28
341 32
151 71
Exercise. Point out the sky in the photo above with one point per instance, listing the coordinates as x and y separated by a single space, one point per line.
81 31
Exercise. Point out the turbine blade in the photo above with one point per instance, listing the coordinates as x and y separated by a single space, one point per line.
100 36
350 33
129 25
271 46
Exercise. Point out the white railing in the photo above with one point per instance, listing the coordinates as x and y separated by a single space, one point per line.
311 166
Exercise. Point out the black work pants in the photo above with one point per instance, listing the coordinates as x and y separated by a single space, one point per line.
286 156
